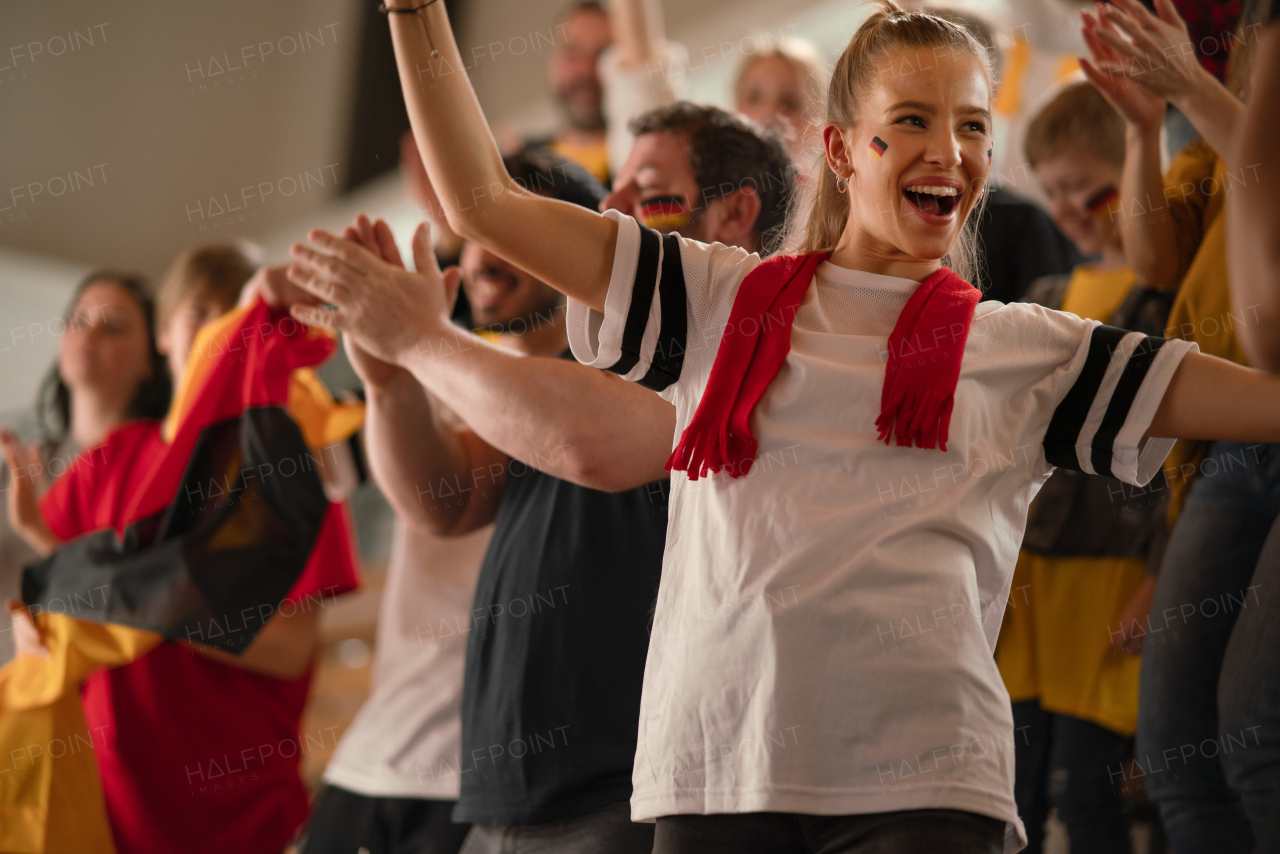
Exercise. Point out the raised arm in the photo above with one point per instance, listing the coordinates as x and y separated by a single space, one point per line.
1211 398
567 247
1253 218
1159 55
1140 62
574 422
1148 240
637 26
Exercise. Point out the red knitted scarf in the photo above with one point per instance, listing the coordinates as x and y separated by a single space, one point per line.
924 352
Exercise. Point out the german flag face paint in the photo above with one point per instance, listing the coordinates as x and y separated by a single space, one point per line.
664 213
877 148
1100 203
989 150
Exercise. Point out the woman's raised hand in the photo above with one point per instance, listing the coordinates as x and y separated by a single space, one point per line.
1135 103
1156 52
25 464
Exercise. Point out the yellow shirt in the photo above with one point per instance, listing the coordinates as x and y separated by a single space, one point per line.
1055 643
1202 312
594 158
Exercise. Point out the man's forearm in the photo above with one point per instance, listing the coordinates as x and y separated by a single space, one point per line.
568 420
409 449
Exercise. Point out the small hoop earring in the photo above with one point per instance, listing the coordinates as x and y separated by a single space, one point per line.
842 184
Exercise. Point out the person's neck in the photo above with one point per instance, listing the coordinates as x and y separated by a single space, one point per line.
93 416
1112 258
545 337
859 251
578 138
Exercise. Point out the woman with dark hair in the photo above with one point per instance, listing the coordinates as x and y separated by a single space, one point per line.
108 372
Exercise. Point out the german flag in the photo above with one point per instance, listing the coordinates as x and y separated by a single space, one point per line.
1099 204
877 148
213 522
664 213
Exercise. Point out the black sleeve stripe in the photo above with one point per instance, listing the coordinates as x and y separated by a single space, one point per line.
1068 419
668 358
641 302
1135 371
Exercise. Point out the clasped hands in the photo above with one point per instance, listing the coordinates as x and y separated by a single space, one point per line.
1141 60
357 283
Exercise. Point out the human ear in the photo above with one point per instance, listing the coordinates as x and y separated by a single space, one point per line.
741 209
837 151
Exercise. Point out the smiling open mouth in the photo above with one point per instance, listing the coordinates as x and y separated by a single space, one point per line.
933 200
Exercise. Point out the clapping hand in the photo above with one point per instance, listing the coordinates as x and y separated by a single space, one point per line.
1115 74
23 505
368 295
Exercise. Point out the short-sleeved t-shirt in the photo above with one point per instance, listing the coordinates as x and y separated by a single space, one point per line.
195 755
824 631
558 636
405 742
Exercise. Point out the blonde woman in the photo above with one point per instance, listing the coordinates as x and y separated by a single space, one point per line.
781 88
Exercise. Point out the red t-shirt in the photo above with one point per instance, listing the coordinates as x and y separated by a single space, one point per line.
196 756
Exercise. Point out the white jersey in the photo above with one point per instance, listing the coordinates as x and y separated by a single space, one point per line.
825 625
406 739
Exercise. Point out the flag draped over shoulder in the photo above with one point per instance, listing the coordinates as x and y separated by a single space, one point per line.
212 528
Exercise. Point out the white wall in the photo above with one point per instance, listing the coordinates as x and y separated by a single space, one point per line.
113 151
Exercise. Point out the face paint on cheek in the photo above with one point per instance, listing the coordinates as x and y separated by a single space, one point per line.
876 148
663 213
989 150
1100 203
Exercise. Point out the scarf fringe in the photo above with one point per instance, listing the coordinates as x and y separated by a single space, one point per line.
913 417
702 452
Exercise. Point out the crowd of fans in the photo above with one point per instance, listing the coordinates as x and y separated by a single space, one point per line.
821 624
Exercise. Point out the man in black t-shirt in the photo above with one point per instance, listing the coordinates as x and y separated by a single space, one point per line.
558 633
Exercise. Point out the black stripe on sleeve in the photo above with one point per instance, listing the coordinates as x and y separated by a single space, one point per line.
1135 371
668 359
1068 419
641 301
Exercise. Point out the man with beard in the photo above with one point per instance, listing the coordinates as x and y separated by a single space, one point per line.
608 66
559 628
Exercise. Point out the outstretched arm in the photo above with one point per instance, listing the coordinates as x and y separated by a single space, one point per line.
574 422
1211 398
567 247
1253 218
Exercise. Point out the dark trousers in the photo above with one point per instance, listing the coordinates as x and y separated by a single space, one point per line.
344 822
904 832
608 830
1077 767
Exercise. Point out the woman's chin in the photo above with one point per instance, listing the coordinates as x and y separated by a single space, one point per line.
928 247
